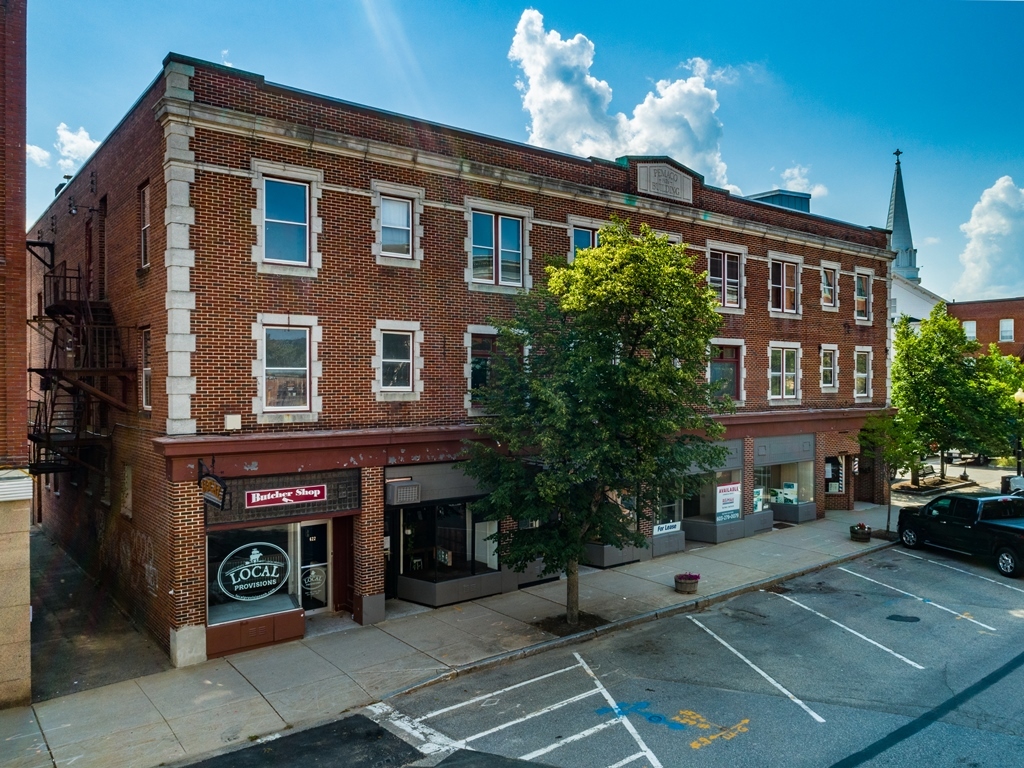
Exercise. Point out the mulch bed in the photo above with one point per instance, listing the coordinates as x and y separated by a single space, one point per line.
556 625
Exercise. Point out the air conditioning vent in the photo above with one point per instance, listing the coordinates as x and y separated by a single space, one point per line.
397 494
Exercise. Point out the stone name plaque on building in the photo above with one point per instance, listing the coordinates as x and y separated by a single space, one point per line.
663 180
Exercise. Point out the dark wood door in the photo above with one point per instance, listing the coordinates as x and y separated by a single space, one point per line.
344 564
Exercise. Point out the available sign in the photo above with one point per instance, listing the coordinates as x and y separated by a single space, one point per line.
727 506
254 571
275 496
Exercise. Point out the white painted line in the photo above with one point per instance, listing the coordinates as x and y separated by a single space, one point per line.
922 599
762 673
854 632
655 762
961 570
627 761
524 718
576 737
491 695
430 742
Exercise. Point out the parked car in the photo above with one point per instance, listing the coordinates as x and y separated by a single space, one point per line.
989 526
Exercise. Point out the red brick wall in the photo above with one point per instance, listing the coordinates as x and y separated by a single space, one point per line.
368 536
834 444
986 315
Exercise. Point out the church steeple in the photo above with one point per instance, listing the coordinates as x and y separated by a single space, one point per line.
899 224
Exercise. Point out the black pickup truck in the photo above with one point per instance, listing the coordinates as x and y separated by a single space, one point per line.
990 526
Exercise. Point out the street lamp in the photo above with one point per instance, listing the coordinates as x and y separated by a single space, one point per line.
1019 399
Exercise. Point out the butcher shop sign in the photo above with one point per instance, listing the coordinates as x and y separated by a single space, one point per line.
274 496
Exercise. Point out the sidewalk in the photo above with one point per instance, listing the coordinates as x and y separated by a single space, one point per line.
182 715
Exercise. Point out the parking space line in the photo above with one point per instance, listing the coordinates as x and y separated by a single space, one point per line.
575 737
961 570
655 762
761 672
492 694
431 742
524 718
922 599
627 760
854 632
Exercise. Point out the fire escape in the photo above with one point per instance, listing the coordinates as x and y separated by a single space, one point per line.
85 364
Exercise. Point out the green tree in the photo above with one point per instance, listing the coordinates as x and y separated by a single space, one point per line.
892 441
597 402
998 378
934 381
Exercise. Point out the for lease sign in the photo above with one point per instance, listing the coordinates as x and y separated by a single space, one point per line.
274 496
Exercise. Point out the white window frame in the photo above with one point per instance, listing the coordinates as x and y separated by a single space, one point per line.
972 334
797 264
866 377
782 399
313 179
497 209
836 268
741 251
415 390
144 225
271 415
1003 320
146 352
868 275
834 350
741 344
467 341
415 197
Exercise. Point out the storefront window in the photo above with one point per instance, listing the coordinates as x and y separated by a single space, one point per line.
251 572
445 541
834 475
718 497
785 483
668 513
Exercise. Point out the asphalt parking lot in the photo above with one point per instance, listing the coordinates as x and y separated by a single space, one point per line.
899 658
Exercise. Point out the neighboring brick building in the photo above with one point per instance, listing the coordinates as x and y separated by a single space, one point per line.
15 483
992 321
285 296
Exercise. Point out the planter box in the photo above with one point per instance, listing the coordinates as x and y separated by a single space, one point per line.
758 522
687 586
715 533
607 556
448 592
667 543
795 513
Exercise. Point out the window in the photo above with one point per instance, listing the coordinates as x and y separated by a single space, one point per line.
584 238
442 542
497 249
862 297
835 480
784 286
396 224
791 483
829 368
724 372
1006 329
829 283
147 372
862 372
285 219
286 222
782 373
724 277
144 226
397 363
286 369
971 330
481 349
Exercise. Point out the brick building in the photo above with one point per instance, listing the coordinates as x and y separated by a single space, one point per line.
992 321
15 483
264 311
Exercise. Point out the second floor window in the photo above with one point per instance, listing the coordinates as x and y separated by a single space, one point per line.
147 372
497 249
396 361
286 218
862 297
396 227
828 286
584 238
481 349
725 371
782 373
724 277
286 368
861 373
784 286
828 368
1006 329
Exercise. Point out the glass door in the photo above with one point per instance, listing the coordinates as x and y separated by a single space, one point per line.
314 566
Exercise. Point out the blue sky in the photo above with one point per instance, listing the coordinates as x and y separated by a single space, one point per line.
810 95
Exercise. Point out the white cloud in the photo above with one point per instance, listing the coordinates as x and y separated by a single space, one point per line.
37 155
795 179
224 58
995 244
568 106
73 146
932 240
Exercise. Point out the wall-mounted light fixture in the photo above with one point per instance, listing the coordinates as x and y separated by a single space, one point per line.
72 208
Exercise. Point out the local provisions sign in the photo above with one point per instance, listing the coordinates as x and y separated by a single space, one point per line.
254 571
274 496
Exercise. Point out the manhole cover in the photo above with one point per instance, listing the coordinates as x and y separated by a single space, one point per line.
897 617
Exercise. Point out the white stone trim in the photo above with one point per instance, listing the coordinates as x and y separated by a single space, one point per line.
837 268
742 344
405 326
312 413
790 258
467 368
313 178
741 250
524 213
416 197
835 372
871 368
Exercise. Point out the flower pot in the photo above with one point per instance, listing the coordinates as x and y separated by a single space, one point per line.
860 534
687 586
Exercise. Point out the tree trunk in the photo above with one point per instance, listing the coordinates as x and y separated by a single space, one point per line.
572 593
942 464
